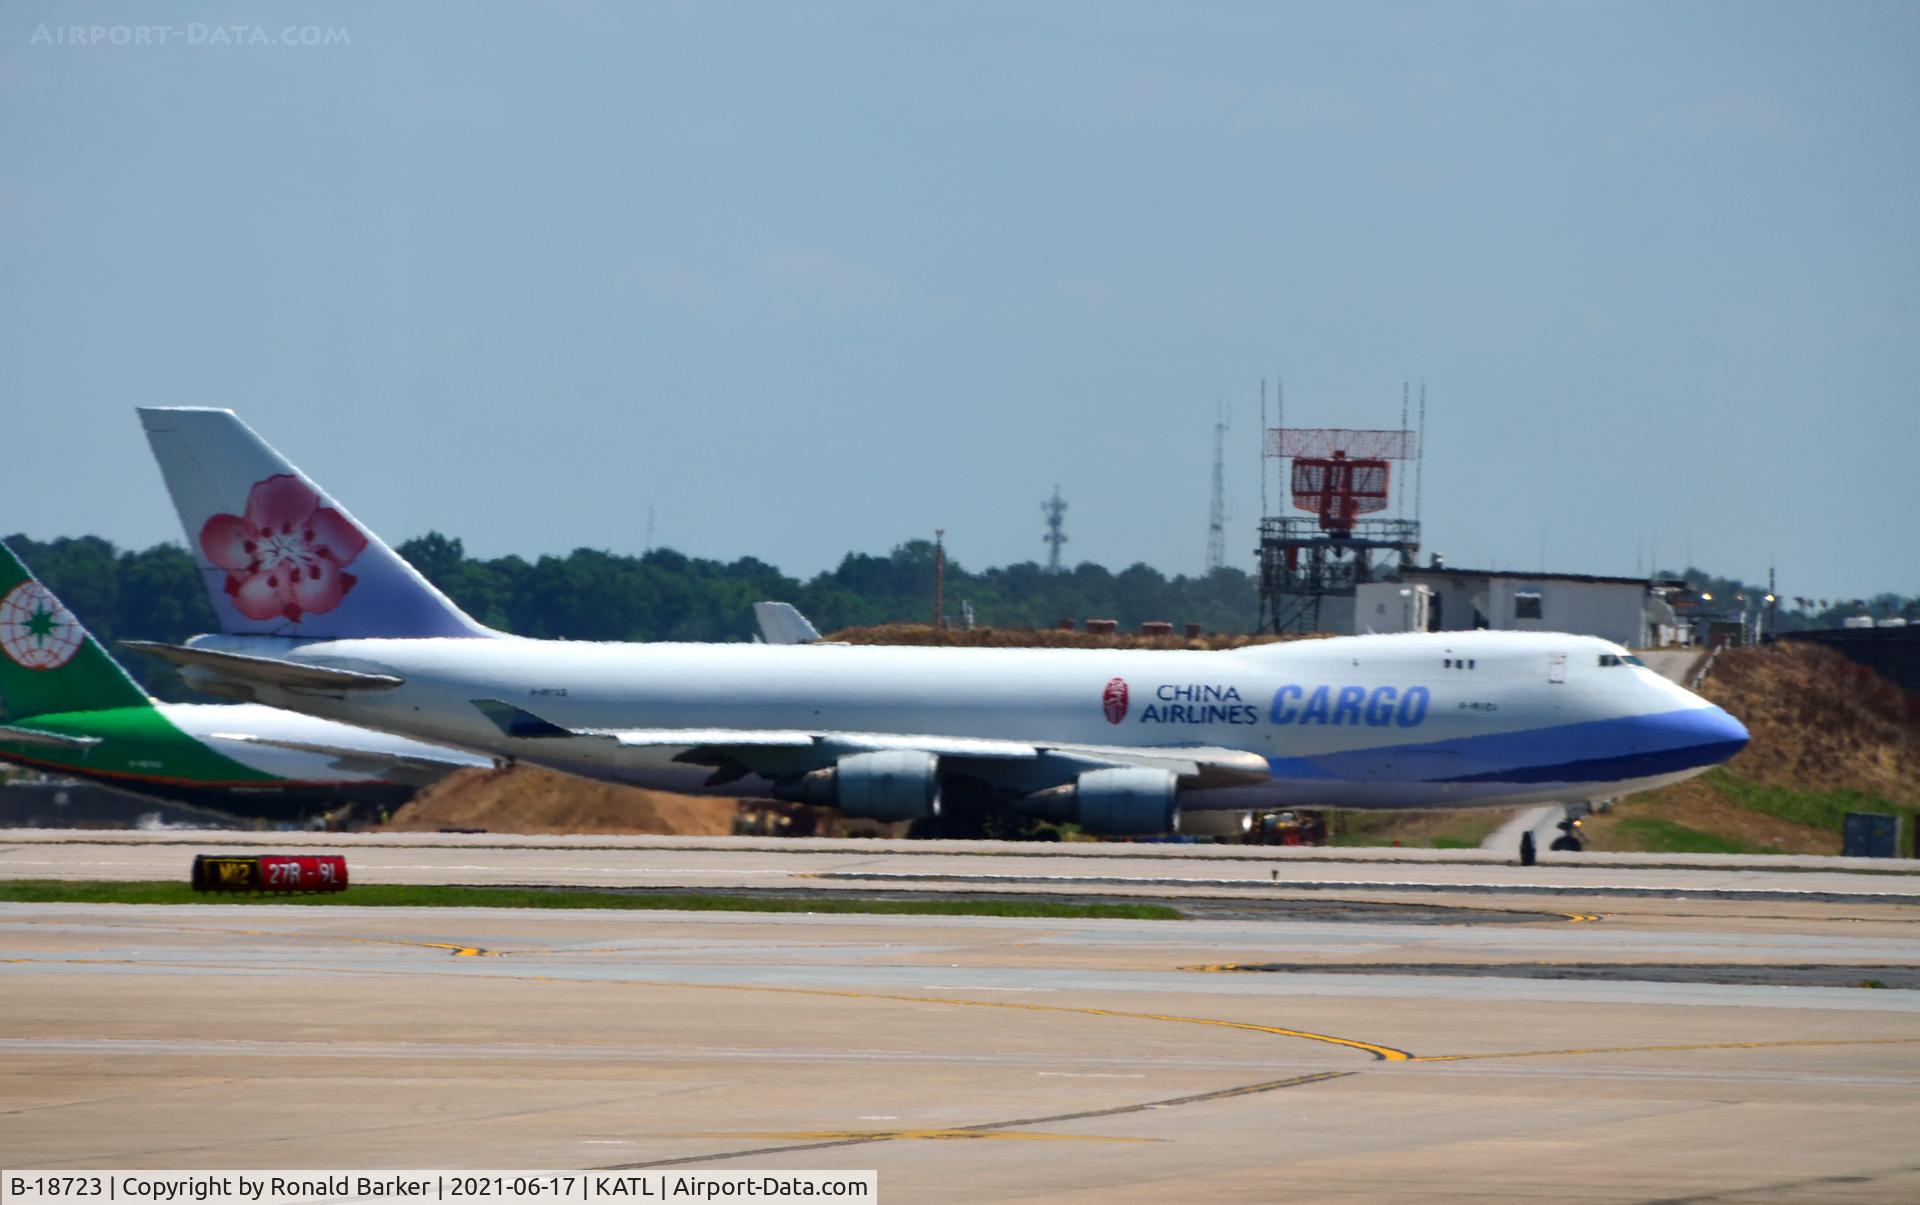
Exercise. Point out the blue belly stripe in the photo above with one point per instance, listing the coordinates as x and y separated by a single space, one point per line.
1595 751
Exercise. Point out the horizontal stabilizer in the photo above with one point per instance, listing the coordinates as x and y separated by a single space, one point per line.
387 764
264 671
14 734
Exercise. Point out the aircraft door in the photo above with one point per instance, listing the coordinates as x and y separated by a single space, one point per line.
1557 668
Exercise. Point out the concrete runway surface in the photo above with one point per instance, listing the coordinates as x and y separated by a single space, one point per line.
1000 866
998 1059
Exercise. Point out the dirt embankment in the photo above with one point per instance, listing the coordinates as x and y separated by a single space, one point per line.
528 799
1819 721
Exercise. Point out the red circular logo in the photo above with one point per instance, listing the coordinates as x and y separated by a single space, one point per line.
1114 700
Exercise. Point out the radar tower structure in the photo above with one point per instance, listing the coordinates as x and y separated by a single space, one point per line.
1341 477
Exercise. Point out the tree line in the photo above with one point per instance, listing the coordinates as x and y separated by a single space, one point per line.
155 594
589 594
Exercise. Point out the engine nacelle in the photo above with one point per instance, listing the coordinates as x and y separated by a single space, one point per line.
1128 802
1215 823
893 784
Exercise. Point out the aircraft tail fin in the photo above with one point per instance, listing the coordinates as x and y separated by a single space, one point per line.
782 623
48 661
278 555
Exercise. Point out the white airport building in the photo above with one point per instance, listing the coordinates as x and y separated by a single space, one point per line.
1628 610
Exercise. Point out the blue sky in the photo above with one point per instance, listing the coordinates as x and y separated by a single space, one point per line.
820 277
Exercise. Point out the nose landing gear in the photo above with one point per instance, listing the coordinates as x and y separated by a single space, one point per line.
1569 838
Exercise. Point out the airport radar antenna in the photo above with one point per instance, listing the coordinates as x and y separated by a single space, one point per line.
1055 509
1342 477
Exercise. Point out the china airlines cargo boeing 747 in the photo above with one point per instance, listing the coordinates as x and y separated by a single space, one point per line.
319 616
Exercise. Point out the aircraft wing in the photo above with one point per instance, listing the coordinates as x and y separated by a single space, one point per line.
52 740
264 671
396 767
1017 766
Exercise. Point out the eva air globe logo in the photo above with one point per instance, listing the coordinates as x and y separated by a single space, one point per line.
35 630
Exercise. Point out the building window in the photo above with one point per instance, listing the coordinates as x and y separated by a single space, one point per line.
1526 604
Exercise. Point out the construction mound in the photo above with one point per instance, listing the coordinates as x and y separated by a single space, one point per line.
528 799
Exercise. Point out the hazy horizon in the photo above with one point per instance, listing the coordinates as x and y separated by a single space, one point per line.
819 278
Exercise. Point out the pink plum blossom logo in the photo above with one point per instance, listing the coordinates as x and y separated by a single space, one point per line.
287 554
1113 700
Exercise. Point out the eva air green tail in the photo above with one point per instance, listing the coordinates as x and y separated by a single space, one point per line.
48 662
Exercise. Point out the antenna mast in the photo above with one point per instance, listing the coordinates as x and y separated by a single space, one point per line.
1400 506
1420 454
939 577
1263 449
1217 513
1055 510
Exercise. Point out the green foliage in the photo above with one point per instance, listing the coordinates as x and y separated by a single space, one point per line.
1821 809
57 891
665 595
1465 828
1647 834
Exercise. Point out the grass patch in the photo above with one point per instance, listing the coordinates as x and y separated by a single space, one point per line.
1821 809
1458 829
1649 834
380 895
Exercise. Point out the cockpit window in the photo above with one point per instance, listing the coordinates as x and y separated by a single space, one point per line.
1607 659
1630 659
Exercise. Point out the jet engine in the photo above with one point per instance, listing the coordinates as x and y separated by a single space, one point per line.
1128 801
894 784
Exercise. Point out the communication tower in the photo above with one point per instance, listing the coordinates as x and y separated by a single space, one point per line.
1217 513
1056 511
1342 478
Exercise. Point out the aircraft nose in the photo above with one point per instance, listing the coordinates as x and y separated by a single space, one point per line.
1731 731
1701 736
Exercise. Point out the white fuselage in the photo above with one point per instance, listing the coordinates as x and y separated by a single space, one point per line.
1421 720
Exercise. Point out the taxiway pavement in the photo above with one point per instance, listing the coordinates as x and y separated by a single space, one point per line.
1681 1056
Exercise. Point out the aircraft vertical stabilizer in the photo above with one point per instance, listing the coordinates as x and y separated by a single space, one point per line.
278 556
48 662
782 623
